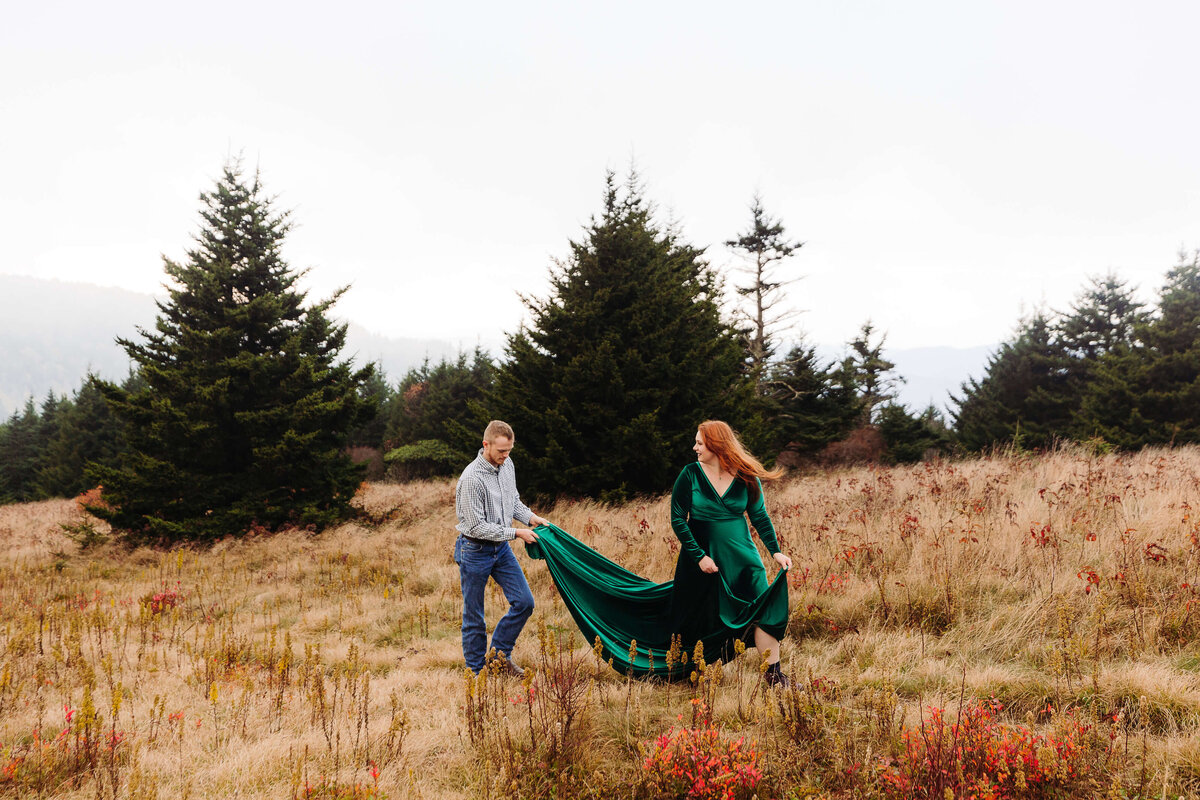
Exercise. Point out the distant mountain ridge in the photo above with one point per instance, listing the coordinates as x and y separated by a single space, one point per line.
53 332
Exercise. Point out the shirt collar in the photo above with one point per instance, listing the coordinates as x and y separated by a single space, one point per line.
485 464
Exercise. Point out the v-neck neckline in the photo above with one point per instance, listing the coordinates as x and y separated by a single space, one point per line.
720 495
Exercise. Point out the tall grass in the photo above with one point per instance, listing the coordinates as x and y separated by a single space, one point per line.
1017 625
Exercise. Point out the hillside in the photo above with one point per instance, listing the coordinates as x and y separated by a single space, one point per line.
1054 596
52 333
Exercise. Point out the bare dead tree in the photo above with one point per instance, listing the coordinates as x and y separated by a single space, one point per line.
762 248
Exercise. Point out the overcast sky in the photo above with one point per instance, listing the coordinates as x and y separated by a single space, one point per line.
946 164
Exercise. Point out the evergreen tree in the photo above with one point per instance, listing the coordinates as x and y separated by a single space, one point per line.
1024 396
1103 318
89 433
20 449
873 374
375 392
54 408
618 365
6 494
1102 321
1170 396
907 437
815 403
431 427
245 410
763 247
1148 392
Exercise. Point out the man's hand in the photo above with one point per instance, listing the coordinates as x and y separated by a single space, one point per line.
708 565
525 535
783 560
535 520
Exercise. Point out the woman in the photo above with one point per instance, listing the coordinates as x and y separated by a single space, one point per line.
720 594
719 576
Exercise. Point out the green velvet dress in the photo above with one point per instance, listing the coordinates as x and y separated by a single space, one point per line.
609 602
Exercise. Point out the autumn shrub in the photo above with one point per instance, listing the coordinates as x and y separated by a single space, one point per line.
699 763
863 445
975 756
163 600
92 498
559 701
824 739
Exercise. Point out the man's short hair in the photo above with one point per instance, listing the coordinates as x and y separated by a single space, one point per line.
497 429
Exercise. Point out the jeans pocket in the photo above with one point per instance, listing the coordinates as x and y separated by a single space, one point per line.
472 556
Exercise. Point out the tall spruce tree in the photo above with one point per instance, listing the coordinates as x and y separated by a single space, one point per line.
1148 391
1102 324
1103 318
1024 396
245 409
606 385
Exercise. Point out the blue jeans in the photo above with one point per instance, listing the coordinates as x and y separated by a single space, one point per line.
477 561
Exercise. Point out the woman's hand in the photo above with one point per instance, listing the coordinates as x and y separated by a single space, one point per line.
708 565
783 560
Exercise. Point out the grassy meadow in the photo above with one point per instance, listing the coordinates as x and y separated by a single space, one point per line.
1015 626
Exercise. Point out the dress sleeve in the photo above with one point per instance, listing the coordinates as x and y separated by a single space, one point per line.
681 506
757 509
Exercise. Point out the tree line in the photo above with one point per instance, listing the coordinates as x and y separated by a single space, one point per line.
1108 370
241 414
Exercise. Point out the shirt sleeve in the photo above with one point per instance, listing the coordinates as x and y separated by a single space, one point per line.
681 507
521 512
470 505
757 510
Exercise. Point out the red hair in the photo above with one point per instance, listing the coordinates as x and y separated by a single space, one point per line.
733 456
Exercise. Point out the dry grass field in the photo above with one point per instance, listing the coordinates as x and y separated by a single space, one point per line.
1017 626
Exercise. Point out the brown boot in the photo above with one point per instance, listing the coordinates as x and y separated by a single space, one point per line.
507 667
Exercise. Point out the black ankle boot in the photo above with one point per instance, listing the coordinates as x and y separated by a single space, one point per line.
774 676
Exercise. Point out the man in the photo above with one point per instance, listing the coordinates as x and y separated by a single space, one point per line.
486 502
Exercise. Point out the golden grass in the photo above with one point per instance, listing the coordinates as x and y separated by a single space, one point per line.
298 660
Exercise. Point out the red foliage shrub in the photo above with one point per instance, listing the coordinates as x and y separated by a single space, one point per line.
698 763
92 498
978 758
160 601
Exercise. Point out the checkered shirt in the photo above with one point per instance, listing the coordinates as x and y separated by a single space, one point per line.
486 501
